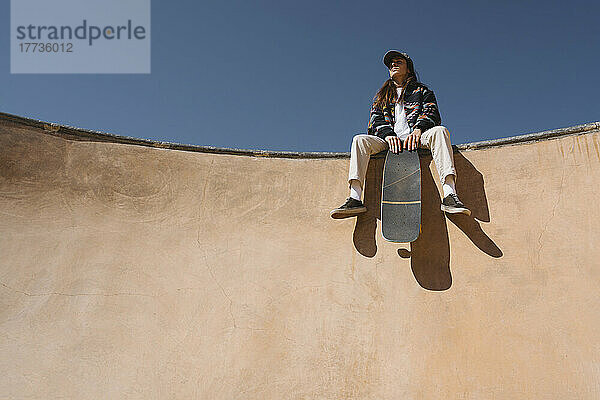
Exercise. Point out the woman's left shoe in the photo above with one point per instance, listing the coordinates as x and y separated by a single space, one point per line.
452 205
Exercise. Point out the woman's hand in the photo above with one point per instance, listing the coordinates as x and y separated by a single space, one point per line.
413 140
394 143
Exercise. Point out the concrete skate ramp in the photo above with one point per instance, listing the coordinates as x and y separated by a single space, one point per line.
145 270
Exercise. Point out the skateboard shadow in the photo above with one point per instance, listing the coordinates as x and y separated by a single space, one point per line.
430 253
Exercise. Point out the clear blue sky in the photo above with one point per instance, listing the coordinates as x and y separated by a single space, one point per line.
300 75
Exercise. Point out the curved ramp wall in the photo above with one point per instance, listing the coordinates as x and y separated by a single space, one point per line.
133 269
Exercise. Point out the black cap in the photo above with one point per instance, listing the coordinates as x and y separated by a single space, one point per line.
391 54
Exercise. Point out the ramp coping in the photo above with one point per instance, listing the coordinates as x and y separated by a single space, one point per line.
74 133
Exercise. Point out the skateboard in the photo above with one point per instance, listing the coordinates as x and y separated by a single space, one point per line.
401 197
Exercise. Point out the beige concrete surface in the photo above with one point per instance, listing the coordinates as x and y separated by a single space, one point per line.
136 272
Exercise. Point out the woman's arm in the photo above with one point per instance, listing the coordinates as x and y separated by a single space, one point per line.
430 116
378 126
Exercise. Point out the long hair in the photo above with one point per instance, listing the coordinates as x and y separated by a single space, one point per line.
387 93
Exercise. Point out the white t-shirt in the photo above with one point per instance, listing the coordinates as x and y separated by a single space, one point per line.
401 126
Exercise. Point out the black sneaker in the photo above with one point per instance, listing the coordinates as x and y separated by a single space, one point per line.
350 208
452 205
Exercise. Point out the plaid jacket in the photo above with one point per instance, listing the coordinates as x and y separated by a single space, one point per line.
421 110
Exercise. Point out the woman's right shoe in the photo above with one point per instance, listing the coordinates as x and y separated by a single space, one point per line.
350 208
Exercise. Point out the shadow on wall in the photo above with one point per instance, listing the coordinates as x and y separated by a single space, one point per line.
430 253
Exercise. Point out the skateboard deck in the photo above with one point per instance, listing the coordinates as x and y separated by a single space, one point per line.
401 197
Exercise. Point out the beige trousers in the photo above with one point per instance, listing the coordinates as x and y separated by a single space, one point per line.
436 139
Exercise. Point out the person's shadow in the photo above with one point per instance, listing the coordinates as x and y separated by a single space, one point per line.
430 253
